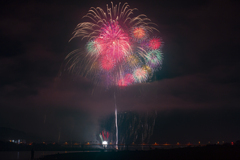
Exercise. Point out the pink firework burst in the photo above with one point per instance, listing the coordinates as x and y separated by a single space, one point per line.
127 80
154 43
121 83
107 63
114 42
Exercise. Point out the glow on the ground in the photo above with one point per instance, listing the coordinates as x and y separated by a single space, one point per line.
105 142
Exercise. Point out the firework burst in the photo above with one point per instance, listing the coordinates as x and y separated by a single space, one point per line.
154 59
139 34
119 49
154 43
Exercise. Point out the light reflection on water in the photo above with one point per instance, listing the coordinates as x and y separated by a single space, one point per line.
26 155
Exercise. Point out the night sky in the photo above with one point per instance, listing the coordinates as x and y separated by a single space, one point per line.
196 93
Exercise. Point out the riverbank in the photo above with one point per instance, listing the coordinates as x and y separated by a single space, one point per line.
188 153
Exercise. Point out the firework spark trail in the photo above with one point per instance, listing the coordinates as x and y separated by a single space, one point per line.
132 126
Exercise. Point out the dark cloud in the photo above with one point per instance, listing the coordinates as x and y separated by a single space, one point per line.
203 125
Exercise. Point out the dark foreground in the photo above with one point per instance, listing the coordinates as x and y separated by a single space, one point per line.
189 153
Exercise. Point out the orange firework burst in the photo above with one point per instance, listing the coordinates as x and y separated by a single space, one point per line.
139 33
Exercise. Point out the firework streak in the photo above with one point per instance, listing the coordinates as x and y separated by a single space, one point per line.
118 50
133 127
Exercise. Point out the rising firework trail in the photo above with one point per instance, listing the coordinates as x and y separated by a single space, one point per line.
116 125
119 49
